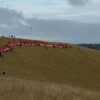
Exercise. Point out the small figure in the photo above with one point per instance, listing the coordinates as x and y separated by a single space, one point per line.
1 54
3 73
11 49
20 45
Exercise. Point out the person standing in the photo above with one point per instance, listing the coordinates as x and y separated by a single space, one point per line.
1 54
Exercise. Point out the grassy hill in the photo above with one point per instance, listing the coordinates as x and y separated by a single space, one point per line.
76 66
19 89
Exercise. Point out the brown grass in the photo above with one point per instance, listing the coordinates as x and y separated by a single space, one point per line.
76 66
18 89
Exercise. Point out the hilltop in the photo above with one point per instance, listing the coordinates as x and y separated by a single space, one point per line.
75 66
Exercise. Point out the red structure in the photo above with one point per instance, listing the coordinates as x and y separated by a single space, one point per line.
11 44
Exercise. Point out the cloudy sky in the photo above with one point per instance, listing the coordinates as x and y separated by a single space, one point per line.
74 21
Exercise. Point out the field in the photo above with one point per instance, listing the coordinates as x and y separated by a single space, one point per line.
69 74
19 89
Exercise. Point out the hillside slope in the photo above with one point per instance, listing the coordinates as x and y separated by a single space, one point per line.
76 66
21 89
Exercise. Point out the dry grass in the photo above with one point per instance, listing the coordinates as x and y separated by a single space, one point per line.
18 89
75 66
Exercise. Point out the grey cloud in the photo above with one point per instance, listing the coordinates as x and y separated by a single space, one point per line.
78 2
61 30
10 17
65 30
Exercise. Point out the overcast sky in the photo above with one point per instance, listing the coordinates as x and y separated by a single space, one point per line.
72 21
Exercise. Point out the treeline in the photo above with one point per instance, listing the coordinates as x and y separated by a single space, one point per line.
92 46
